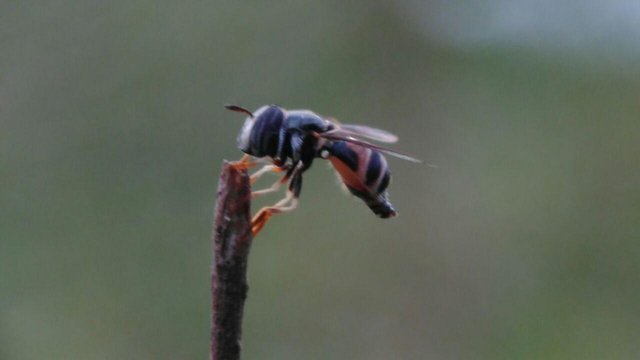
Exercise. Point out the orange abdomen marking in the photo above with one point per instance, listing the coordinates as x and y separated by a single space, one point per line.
349 177
366 175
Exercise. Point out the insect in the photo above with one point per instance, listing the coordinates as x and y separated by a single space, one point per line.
291 139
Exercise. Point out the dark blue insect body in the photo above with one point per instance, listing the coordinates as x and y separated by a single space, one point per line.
292 139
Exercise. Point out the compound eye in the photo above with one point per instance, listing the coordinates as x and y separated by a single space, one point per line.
324 154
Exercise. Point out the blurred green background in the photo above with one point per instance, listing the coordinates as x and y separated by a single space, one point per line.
522 244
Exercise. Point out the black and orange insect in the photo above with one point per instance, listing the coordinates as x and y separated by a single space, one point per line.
291 139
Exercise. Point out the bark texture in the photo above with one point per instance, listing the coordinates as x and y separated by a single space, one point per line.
231 243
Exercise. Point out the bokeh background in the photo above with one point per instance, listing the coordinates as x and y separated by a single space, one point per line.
523 243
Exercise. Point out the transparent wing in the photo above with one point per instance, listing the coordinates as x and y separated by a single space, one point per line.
367 132
332 135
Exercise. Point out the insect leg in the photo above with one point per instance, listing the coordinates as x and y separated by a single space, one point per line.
261 218
275 187
289 203
265 169
245 162
256 175
295 186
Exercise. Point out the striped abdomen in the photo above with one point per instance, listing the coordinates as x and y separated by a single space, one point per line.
365 173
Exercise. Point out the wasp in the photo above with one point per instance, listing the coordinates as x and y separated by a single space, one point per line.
290 140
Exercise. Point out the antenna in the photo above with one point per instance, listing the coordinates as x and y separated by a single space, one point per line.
237 108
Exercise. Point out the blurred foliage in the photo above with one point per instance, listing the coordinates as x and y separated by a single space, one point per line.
522 243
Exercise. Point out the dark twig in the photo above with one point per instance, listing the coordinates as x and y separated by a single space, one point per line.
231 242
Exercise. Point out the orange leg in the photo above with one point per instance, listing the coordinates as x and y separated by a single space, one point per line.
261 218
273 188
244 163
265 169
289 203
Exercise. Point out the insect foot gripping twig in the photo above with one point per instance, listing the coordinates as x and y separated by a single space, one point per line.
232 238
